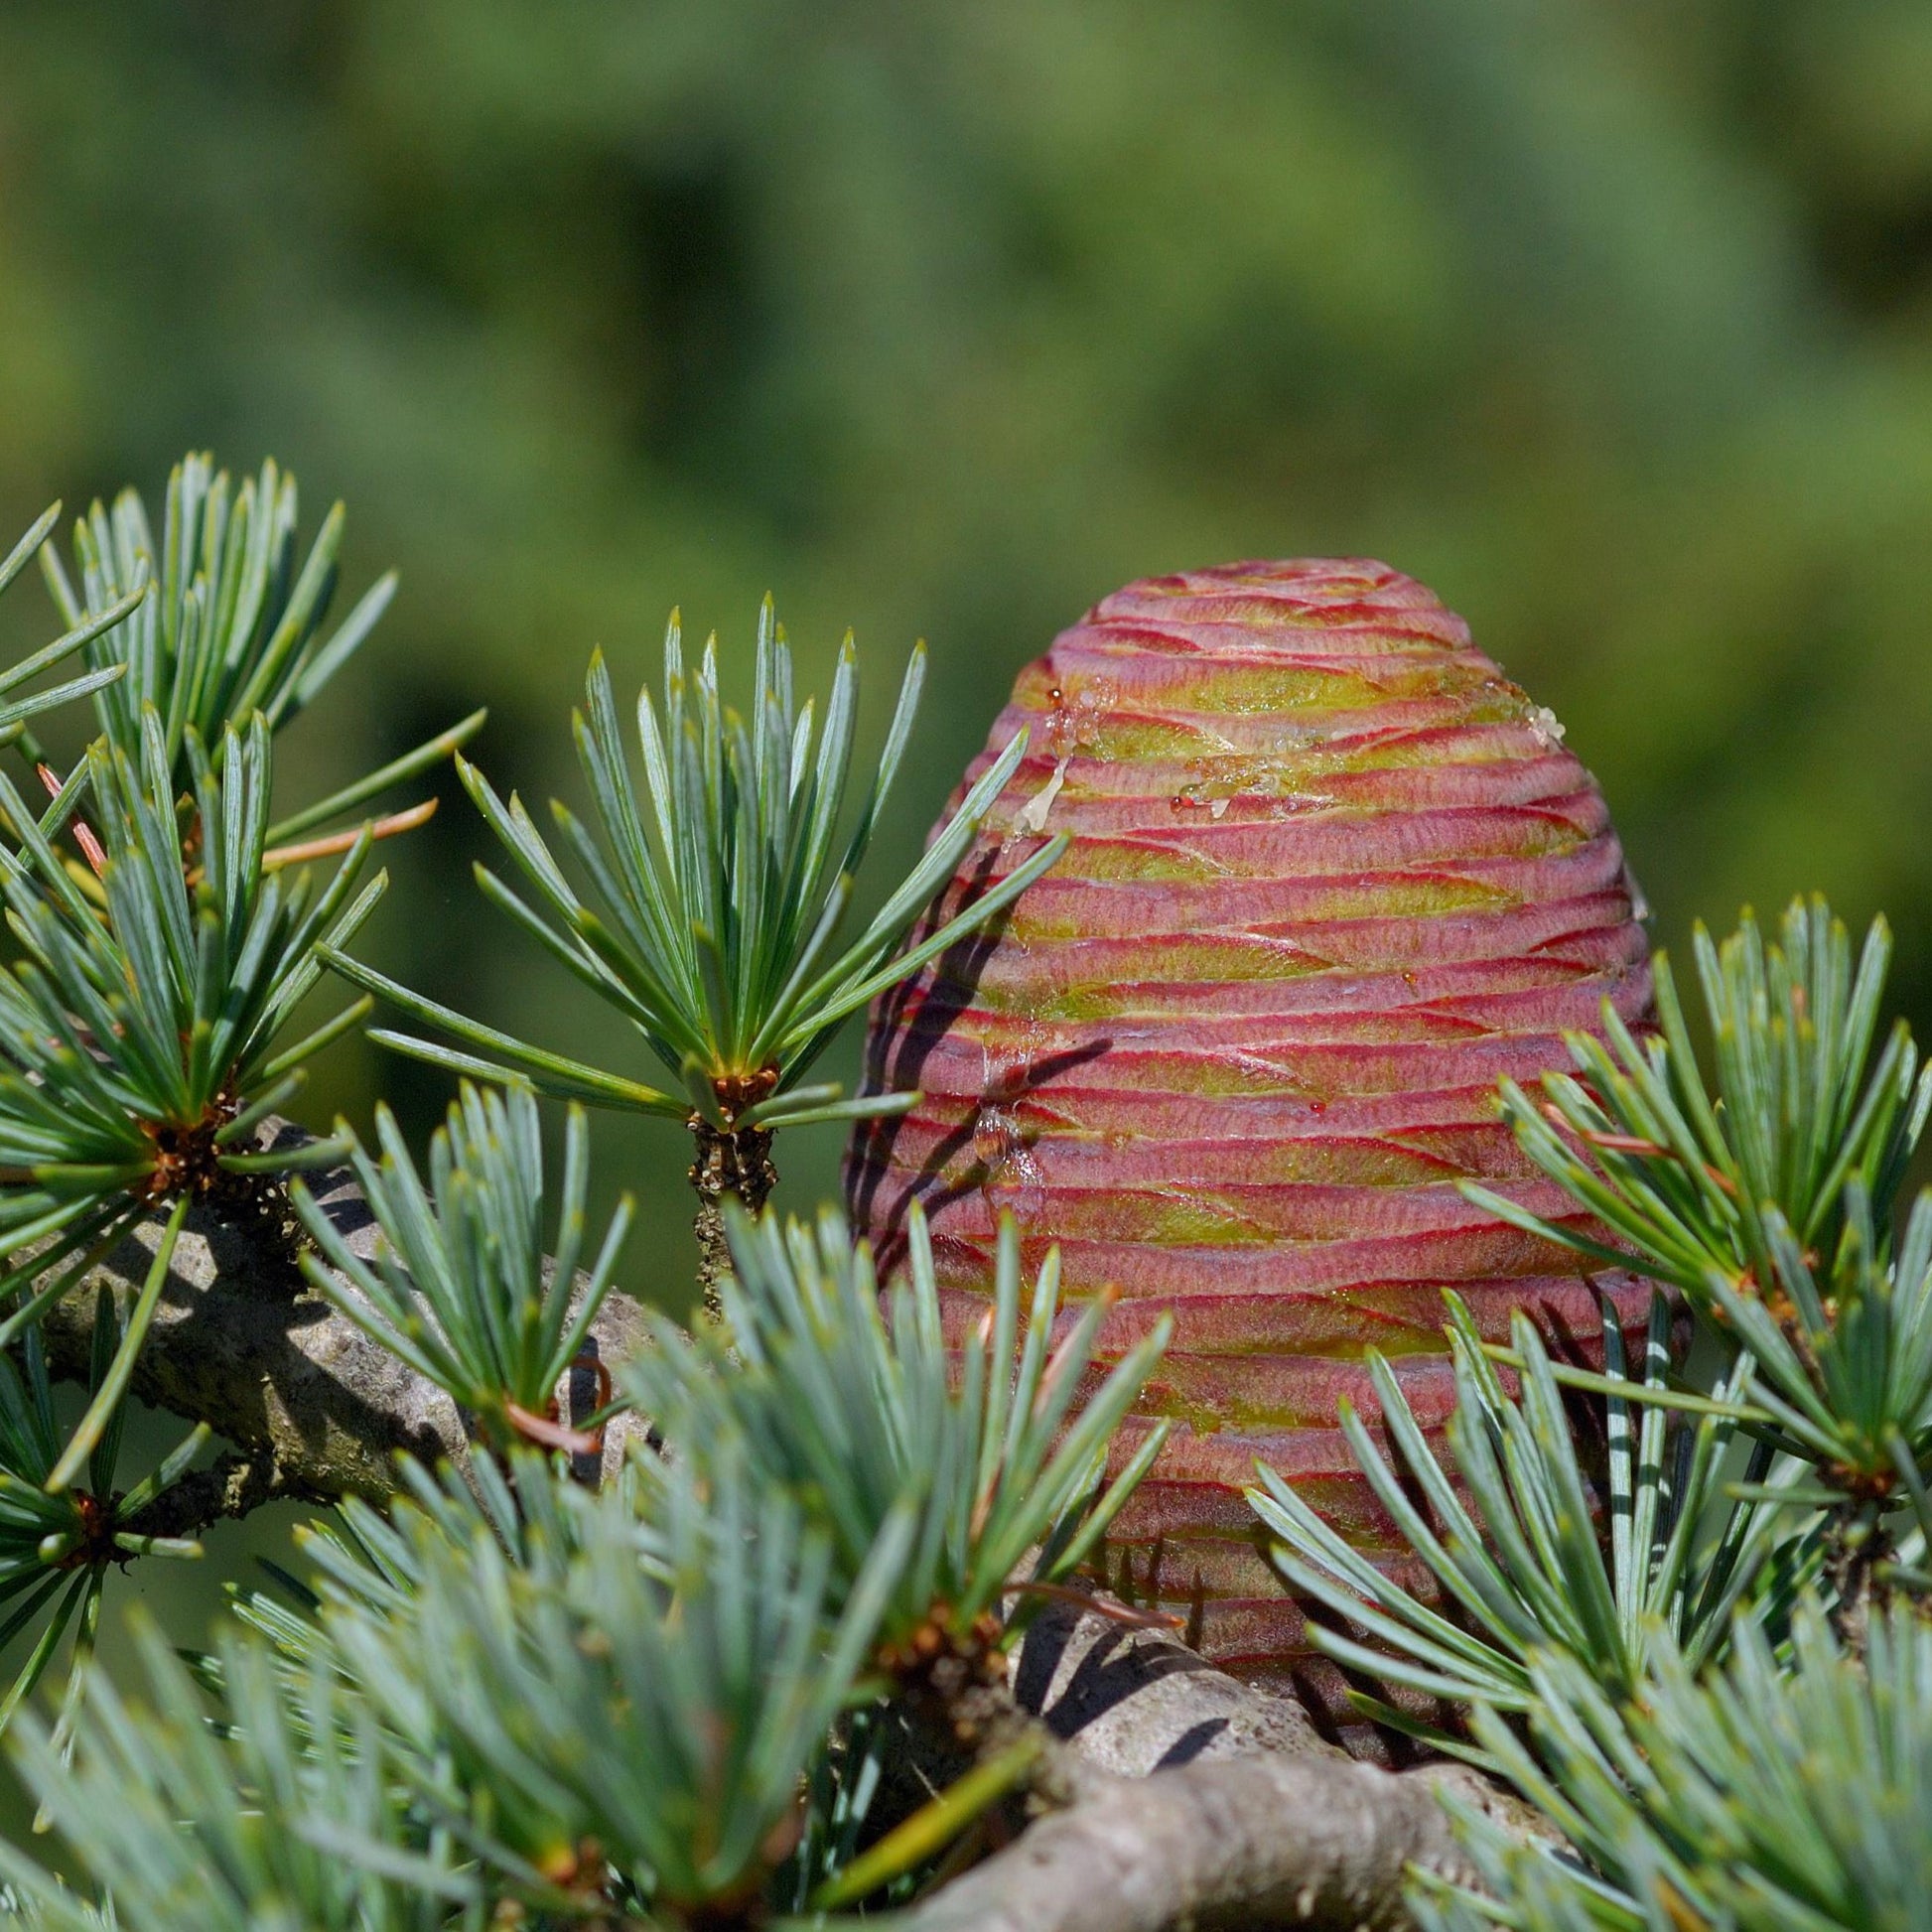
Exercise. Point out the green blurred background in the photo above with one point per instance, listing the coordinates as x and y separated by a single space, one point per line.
1610 320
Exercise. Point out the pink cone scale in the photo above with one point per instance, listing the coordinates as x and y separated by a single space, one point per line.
1331 875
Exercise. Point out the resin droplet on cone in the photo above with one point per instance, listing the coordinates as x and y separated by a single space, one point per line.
1331 875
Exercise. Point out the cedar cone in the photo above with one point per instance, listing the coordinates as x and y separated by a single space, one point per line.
1331 875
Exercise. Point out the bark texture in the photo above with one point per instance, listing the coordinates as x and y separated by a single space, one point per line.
242 1343
735 1162
1252 1842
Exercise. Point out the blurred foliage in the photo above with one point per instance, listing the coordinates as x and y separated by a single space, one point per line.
1610 321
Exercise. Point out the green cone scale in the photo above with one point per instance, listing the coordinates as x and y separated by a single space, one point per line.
1331 875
